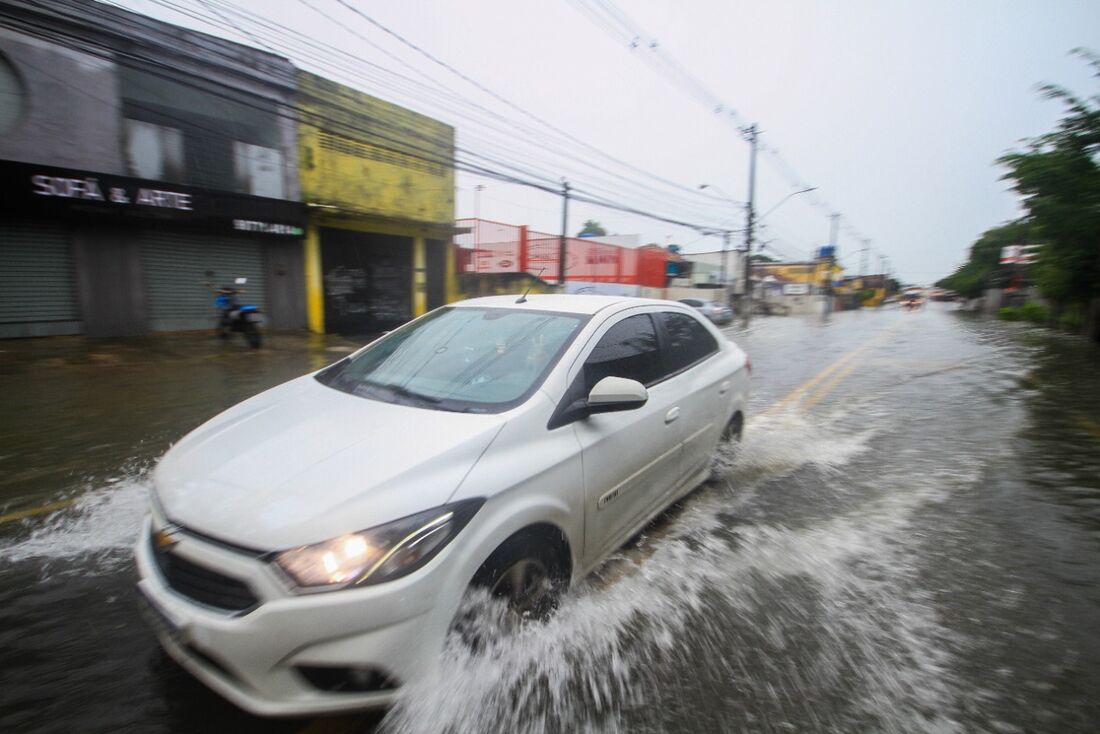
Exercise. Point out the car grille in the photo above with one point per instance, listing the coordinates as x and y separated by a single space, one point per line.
202 584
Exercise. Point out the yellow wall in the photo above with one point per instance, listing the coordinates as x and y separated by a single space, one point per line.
363 155
814 273
372 166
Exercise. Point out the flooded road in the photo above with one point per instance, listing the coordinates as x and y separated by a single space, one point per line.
908 539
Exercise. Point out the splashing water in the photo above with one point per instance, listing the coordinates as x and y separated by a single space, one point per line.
101 525
763 615
713 595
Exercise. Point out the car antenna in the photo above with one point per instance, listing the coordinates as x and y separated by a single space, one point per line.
523 298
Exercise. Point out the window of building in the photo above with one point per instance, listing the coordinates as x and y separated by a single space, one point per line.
628 349
688 341
209 126
154 151
259 170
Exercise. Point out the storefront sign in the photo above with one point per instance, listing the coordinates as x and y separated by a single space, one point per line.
88 189
245 225
1019 254
26 188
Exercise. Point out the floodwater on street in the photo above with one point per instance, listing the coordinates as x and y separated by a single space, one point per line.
907 539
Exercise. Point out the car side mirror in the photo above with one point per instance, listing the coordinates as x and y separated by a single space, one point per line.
612 394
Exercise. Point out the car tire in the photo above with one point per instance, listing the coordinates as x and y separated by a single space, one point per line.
733 430
526 574
725 451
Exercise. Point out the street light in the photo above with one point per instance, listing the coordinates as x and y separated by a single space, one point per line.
784 199
757 220
477 200
722 193
477 226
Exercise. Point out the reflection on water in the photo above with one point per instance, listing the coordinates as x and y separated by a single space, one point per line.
77 409
1061 438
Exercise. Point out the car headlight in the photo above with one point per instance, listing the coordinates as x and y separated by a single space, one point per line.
380 554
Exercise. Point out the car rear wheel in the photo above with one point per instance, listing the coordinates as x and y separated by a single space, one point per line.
725 453
732 432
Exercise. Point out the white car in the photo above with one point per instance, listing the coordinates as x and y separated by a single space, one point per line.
307 549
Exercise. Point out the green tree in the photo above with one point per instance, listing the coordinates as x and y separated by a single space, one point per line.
982 268
592 228
1058 178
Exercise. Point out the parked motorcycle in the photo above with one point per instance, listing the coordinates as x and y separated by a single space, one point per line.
235 316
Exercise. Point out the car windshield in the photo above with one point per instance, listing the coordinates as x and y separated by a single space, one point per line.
461 359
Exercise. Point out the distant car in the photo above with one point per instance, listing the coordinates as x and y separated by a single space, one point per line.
307 550
718 313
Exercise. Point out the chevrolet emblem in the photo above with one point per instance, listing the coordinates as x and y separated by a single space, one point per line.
165 538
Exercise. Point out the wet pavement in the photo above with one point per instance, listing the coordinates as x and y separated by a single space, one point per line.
908 539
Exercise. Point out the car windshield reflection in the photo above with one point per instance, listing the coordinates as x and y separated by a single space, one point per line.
459 359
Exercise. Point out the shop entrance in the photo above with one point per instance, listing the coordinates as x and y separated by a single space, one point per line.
367 279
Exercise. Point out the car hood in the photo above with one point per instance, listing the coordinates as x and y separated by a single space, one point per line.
302 463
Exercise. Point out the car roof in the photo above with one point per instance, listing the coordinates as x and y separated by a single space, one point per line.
580 304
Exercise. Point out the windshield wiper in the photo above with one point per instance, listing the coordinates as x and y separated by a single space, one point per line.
402 391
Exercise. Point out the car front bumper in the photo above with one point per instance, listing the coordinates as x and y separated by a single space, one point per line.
258 657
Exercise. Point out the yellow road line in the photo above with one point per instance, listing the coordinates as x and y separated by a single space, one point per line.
809 384
844 366
828 387
35 511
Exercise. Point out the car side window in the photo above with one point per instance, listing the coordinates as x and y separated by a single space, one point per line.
629 349
688 341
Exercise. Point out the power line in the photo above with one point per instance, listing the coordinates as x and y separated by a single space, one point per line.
500 98
607 188
617 23
161 70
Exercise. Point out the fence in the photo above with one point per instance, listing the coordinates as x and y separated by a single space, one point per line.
495 247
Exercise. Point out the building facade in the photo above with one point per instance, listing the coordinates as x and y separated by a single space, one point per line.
141 163
378 184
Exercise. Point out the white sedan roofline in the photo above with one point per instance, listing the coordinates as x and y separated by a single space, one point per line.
578 304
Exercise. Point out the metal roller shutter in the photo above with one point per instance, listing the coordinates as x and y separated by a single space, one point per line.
38 294
176 269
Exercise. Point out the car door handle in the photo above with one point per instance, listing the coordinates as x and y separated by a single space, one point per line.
672 415
724 388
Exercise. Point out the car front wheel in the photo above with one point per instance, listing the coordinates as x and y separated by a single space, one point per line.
524 574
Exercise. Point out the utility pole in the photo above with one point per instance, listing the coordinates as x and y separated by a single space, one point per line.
564 232
725 257
477 226
863 258
750 215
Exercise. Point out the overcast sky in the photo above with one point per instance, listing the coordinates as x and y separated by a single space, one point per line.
895 111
